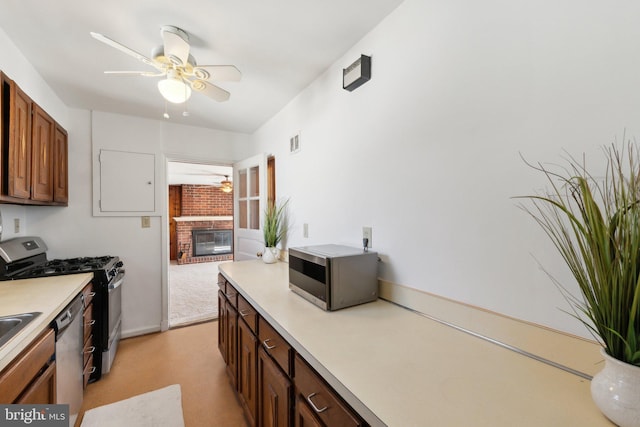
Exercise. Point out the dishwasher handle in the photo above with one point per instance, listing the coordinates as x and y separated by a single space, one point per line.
64 319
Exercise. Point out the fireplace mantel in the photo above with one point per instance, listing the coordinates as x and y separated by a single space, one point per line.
202 218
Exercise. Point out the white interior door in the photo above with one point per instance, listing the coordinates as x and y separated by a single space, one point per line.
249 200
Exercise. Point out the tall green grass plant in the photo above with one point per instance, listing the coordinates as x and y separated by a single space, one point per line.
275 226
594 223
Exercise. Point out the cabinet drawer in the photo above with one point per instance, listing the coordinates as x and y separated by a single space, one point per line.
88 321
275 345
17 376
87 295
88 370
232 295
324 402
88 349
248 314
222 283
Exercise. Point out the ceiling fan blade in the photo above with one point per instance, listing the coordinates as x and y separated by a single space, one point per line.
176 45
122 48
212 91
219 73
136 73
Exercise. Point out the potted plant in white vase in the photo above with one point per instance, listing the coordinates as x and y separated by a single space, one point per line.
594 223
274 229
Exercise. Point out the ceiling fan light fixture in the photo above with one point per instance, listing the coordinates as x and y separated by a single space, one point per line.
226 185
174 89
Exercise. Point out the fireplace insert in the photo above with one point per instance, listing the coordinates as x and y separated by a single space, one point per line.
212 242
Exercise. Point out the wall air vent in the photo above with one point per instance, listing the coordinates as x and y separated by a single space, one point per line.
294 143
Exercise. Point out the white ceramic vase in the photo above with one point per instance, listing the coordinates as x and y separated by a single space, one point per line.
616 391
270 255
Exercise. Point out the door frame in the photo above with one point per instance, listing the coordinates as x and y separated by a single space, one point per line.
164 225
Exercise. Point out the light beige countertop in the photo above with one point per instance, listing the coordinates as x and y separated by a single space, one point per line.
48 295
398 368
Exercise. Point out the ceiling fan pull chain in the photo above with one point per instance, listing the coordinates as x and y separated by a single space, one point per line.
166 113
185 113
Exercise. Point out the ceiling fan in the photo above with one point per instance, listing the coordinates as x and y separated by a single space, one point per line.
173 61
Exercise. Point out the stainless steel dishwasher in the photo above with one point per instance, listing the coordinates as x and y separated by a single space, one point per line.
69 331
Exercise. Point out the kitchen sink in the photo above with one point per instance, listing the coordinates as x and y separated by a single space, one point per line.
11 325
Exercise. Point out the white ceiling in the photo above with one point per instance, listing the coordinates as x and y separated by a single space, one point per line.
280 46
197 174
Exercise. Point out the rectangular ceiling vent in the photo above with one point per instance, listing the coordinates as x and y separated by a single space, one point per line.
294 143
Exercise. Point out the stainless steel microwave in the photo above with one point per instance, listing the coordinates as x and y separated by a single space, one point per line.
333 276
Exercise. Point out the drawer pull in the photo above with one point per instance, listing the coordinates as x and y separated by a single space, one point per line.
92 370
90 323
90 350
315 408
267 346
243 313
91 294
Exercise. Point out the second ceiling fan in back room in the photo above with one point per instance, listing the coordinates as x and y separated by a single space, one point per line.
180 72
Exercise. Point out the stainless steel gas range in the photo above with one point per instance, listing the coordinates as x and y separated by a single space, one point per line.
25 257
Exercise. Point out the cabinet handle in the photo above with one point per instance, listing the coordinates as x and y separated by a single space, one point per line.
315 408
90 350
267 346
243 313
91 294
92 370
90 323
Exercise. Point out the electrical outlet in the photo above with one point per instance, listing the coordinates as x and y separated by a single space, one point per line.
146 222
305 230
367 233
16 225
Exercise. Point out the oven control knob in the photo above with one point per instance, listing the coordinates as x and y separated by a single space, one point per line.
119 264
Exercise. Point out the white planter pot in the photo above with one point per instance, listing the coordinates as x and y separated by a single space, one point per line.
616 391
270 255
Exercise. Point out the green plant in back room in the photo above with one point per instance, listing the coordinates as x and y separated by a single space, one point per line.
594 223
274 227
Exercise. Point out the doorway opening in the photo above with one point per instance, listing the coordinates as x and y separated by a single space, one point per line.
200 238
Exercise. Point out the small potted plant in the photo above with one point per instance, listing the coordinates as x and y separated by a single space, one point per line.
274 229
594 223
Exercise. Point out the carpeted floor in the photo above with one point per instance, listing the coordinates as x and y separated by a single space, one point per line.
193 293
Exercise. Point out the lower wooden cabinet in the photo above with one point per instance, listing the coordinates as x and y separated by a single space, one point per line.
247 371
275 385
275 391
31 377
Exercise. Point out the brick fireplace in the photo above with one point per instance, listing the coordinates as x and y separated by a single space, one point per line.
205 209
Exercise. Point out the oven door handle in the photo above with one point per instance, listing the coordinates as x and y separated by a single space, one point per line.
117 281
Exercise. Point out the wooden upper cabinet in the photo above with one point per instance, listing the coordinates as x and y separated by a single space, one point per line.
42 138
34 151
19 167
60 166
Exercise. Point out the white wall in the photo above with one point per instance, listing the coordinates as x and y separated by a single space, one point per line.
428 151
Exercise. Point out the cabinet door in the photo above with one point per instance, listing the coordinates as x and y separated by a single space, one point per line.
60 166
42 390
274 398
232 344
247 370
304 416
19 168
222 326
42 138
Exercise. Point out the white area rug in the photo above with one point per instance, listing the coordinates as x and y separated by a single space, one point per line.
193 292
158 408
